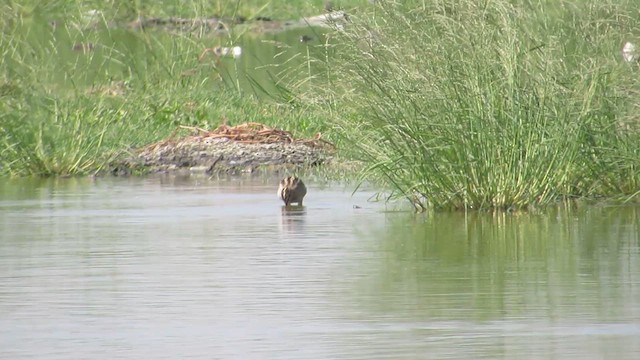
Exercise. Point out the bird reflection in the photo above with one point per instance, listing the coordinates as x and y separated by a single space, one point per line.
292 219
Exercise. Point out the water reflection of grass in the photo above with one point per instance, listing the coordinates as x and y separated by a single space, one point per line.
561 264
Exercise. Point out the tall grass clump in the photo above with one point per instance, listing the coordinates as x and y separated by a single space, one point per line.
61 141
491 105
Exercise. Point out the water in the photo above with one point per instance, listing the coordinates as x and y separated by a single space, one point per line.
170 267
119 55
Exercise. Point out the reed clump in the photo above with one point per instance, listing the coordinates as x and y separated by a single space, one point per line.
492 105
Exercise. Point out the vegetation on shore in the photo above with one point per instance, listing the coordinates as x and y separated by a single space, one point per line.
76 94
492 105
463 105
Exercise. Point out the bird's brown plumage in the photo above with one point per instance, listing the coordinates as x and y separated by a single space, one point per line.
292 190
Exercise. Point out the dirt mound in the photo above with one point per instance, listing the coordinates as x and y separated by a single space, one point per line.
241 148
247 133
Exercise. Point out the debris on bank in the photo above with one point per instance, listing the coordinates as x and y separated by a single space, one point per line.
201 26
242 148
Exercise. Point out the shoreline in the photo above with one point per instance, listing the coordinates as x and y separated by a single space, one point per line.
204 155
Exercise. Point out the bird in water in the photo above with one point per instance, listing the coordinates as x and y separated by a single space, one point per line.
292 190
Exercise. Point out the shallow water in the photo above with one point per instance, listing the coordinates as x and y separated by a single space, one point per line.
170 267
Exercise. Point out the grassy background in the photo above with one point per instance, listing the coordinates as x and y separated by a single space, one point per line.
493 104
462 105
129 10
66 112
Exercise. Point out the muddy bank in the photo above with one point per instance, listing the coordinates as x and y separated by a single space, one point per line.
245 148
221 156
215 26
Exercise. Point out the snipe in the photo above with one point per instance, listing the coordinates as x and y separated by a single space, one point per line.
292 190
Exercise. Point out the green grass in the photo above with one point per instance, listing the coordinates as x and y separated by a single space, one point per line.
465 105
491 105
69 112
129 10
82 134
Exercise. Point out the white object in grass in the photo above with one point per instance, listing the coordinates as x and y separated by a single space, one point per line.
235 51
629 52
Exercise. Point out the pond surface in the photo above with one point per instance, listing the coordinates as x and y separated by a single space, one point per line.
180 268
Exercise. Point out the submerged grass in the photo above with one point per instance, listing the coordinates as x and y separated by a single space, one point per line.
492 105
